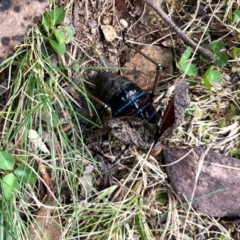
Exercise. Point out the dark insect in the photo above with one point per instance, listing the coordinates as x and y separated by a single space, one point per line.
131 130
124 97
129 102
134 117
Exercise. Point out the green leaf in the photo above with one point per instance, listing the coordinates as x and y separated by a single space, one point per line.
215 76
10 186
46 22
235 52
216 46
221 59
57 16
204 59
236 18
25 174
7 162
60 49
207 84
184 65
189 69
186 55
60 37
212 75
208 70
68 33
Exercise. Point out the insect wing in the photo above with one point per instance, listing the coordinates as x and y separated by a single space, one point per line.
175 111
168 117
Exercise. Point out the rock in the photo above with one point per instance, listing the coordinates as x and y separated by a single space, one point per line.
141 71
207 180
108 32
16 18
123 23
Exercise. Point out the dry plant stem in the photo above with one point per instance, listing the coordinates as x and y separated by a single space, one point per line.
205 52
75 14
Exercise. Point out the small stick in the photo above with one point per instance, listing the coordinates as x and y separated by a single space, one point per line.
119 159
207 53
75 14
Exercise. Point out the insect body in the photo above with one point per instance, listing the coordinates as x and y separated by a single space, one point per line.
135 118
124 97
136 114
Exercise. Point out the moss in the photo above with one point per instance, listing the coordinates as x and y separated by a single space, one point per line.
232 111
162 198
222 123
235 152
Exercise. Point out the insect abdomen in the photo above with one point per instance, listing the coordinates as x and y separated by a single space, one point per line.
124 97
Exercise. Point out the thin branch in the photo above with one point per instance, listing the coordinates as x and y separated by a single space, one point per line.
205 52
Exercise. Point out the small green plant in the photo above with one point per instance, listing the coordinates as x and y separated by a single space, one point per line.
184 65
235 52
211 74
58 35
221 58
236 17
10 181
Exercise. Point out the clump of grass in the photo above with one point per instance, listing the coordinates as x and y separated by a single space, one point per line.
39 101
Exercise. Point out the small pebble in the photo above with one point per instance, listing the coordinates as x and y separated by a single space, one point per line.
92 23
108 32
123 23
234 77
93 31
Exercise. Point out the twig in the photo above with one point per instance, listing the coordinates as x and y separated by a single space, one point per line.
207 53
75 14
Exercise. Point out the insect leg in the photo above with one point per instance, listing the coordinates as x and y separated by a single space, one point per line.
157 78
105 106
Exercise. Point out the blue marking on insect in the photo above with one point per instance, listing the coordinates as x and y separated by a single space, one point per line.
152 116
141 110
131 101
